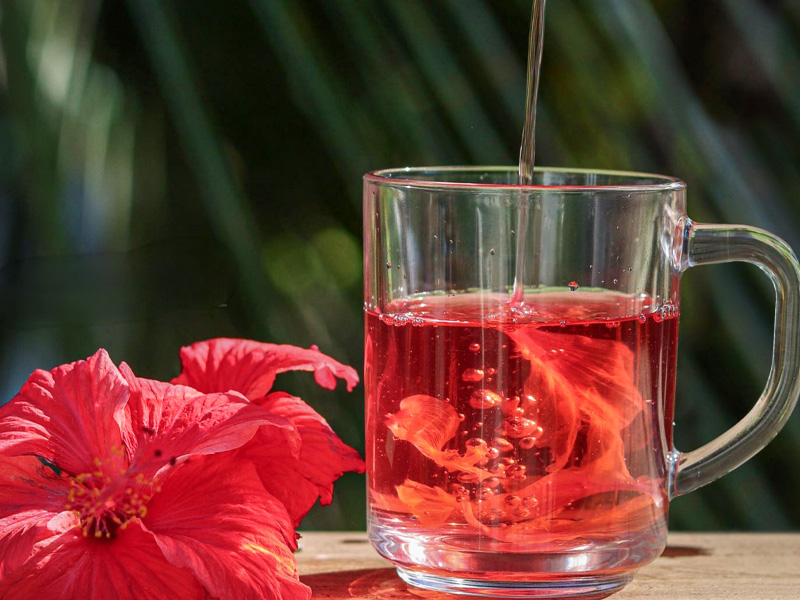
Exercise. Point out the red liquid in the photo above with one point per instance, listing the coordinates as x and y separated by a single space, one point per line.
498 435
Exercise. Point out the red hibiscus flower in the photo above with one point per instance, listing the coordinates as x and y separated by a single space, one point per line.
249 367
113 486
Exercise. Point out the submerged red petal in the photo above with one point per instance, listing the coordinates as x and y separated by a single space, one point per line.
32 499
588 388
168 422
69 416
431 505
214 517
298 481
250 367
130 567
429 424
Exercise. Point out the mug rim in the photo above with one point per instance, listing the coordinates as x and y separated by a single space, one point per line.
405 177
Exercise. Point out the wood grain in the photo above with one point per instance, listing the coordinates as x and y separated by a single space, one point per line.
727 566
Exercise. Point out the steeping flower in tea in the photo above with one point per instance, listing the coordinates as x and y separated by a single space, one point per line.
557 449
114 486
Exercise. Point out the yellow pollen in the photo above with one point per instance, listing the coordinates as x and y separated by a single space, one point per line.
104 504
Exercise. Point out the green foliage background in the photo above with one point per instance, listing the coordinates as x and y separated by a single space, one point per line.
177 170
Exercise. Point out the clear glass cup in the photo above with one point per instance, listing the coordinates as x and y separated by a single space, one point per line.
520 366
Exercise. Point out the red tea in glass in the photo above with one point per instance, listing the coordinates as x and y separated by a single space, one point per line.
520 374
506 431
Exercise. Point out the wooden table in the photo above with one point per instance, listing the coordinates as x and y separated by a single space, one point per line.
727 566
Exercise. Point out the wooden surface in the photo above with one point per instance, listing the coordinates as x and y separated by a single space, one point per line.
708 566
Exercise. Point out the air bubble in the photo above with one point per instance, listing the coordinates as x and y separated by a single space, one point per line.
492 453
512 501
516 471
642 318
529 502
483 399
388 265
518 427
563 324
474 347
487 493
498 469
492 518
491 482
521 513
472 375
503 445
527 443
491 251
573 285
478 444
616 281
491 371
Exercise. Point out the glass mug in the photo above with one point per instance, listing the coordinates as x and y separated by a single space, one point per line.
519 435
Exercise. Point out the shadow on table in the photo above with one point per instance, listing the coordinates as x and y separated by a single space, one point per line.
366 583
378 584
385 584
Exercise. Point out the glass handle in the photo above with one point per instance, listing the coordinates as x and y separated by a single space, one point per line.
710 244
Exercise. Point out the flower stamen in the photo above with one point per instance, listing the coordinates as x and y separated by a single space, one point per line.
104 504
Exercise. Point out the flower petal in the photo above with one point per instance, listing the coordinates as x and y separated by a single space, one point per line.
250 367
129 567
214 517
69 416
298 482
168 422
32 499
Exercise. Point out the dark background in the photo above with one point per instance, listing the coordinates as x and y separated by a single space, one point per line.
178 170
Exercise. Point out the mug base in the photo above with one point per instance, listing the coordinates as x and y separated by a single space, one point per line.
585 588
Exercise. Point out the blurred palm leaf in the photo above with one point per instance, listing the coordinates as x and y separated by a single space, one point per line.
171 171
